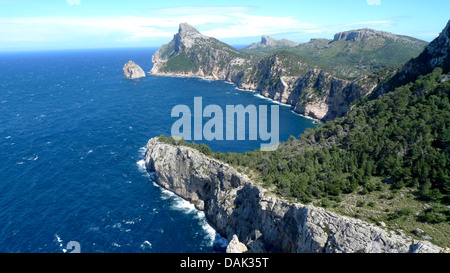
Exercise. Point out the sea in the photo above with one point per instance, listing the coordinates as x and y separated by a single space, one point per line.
73 133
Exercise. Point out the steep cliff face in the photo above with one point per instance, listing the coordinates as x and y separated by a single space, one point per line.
294 75
235 205
316 93
191 54
436 54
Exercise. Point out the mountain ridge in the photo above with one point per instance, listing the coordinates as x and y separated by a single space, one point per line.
282 75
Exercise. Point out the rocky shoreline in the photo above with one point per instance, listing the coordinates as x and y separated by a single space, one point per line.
244 212
312 91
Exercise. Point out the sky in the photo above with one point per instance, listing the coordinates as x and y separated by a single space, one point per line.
79 24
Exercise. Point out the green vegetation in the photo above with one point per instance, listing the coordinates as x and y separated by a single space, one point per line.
203 148
402 137
390 152
180 62
351 59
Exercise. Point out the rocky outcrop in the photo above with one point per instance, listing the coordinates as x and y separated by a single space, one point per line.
436 54
267 41
368 34
316 94
133 71
263 222
234 246
191 54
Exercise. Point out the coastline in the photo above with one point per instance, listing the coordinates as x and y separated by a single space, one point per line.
258 92
237 206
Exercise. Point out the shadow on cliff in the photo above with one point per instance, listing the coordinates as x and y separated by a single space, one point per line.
274 228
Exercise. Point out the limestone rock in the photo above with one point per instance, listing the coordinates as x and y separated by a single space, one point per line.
418 232
312 91
133 71
235 205
267 41
235 246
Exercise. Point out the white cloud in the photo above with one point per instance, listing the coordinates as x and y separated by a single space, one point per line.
374 2
74 2
159 26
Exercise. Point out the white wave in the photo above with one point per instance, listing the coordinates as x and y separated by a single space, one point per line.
58 239
142 151
306 117
245 90
146 244
141 166
186 207
271 100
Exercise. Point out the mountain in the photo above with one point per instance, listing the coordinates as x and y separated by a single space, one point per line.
360 52
267 41
436 54
386 162
191 54
317 78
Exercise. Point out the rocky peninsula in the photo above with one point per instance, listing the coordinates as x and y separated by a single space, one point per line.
249 215
279 70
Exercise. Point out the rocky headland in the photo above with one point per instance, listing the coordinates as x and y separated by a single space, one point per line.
284 75
253 218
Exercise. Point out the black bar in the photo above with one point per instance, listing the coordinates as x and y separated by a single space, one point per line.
197 262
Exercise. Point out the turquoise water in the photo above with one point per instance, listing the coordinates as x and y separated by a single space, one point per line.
72 132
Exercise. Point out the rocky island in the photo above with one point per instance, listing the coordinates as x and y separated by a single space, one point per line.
133 71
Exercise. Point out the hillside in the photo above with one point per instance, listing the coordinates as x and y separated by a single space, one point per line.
353 53
386 161
317 80
192 54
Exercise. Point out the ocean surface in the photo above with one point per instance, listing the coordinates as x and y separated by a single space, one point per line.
72 138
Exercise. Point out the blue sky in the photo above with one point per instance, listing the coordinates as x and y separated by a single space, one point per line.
69 24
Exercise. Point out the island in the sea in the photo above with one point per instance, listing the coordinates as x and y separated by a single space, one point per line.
133 71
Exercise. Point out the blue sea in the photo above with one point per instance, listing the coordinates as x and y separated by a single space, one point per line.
72 138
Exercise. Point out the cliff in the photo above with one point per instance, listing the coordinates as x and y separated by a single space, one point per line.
267 41
320 79
263 222
436 54
133 71
191 54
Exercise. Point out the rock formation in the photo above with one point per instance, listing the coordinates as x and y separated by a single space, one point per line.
267 41
133 71
263 222
235 246
282 76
